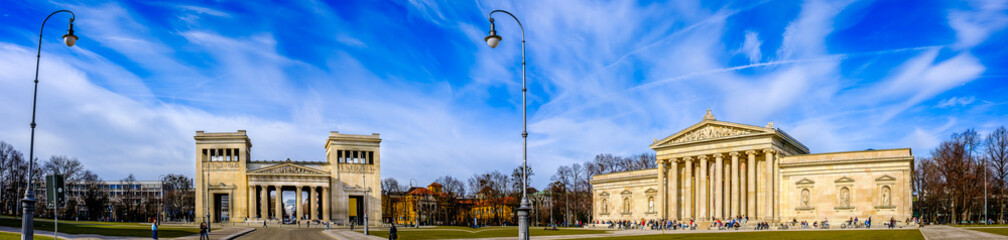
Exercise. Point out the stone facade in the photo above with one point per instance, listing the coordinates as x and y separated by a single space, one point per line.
235 188
719 170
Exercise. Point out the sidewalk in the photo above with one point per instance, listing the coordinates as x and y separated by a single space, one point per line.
223 234
346 234
941 232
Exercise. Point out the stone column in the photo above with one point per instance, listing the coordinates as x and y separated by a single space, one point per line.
251 202
751 184
742 186
768 192
264 203
702 176
325 203
662 189
278 204
697 179
299 202
674 189
776 189
688 187
312 203
710 189
718 186
734 184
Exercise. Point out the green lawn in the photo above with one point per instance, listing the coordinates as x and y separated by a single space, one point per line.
104 228
787 235
999 231
464 232
451 232
17 236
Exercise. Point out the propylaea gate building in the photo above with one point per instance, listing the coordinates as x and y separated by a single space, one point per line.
339 189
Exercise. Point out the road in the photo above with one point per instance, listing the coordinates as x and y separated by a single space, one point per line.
279 233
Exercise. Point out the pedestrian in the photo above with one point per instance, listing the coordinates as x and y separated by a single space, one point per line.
203 231
264 223
392 233
154 229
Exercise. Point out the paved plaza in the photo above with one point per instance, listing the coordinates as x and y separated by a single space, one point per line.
946 232
286 232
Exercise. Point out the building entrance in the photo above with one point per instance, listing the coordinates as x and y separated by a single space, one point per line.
356 208
222 203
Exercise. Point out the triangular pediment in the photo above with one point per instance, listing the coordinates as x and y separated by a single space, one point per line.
604 194
885 178
805 181
625 192
651 190
287 169
844 180
710 129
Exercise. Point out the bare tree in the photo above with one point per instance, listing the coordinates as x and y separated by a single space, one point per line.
451 186
11 177
997 154
69 167
390 185
452 189
516 180
178 198
94 197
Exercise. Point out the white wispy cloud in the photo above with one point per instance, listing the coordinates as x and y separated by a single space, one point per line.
751 46
604 77
954 101
974 25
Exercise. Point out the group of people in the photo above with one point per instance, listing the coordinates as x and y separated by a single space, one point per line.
665 224
655 224
737 222
731 223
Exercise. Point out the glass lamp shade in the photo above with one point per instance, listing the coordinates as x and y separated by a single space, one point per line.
70 39
492 40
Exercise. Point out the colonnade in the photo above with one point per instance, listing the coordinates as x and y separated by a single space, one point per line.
317 206
709 186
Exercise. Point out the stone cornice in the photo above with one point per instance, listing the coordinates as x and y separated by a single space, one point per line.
650 173
854 157
844 161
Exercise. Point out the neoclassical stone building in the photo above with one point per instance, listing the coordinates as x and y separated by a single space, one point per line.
717 169
337 189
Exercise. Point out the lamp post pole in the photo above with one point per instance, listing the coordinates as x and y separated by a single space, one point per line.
28 202
164 213
366 191
523 210
206 197
416 206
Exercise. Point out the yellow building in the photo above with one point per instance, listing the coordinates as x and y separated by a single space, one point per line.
432 206
493 211
417 205
236 188
719 170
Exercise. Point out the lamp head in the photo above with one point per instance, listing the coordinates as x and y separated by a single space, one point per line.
70 39
492 40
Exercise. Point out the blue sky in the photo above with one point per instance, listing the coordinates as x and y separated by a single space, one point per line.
604 77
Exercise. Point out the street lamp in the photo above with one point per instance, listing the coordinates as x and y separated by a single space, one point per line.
523 211
28 202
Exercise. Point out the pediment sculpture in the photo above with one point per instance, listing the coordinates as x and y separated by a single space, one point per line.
711 131
287 169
